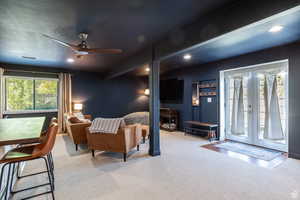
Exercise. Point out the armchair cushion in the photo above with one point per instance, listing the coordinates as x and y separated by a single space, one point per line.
74 120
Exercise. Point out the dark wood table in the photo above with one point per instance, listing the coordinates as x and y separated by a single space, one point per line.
196 127
20 130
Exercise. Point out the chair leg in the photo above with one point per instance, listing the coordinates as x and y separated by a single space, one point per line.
93 152
52 162
138 147
144 139
124 156
76 147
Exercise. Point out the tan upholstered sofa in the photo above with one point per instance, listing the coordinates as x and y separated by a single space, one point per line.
77 130
139 118
124 141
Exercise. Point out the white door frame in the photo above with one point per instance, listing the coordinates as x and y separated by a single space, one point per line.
252 68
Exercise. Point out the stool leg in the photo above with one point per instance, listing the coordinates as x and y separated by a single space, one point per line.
49 177
1 179
50 166
8 182
51 182
18 170
12 178
52 161
124 157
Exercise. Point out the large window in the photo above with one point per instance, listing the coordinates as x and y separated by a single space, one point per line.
30 94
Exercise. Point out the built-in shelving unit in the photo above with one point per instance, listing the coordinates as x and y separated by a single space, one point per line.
206 88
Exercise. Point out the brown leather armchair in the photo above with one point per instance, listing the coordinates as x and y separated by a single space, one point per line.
77 130
124 141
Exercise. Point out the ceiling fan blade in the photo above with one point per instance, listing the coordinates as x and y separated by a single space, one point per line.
73 47
103 51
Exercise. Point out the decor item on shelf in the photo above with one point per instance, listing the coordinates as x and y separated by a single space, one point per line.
206 88
171 126
195 101
147 92
168 119
195 94
78 106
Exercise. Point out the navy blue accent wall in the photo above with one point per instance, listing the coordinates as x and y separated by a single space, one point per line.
109 98
209 112
101 98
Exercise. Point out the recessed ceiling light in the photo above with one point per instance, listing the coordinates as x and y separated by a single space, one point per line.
187 56
70 60
147 69
275 29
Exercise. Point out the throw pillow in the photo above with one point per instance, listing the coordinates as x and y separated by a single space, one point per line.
79 115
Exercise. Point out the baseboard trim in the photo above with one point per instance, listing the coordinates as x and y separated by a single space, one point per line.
294 155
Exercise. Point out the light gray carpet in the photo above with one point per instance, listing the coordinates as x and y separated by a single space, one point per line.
182 172
250 150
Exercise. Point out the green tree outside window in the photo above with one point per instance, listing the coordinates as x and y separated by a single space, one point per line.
30 94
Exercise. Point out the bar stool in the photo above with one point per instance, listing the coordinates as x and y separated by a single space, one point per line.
29 153
42 139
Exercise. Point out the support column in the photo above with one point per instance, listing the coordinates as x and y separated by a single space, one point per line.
154 149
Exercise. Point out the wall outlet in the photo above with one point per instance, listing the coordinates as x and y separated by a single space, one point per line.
209 100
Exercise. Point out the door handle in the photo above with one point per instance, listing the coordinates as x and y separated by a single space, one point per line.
250 109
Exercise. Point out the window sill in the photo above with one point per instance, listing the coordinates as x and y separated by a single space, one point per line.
29 112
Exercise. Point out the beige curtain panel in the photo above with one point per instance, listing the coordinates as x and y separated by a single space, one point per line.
65 99
237 116
1 92
273 127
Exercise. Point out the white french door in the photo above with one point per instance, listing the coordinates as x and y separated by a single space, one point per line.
256 105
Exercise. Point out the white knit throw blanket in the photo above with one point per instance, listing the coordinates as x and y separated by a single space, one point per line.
106 125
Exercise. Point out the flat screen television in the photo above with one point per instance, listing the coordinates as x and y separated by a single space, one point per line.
171 91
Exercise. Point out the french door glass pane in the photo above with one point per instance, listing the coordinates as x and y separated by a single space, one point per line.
282 100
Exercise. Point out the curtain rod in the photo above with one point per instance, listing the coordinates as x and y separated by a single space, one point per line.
35 72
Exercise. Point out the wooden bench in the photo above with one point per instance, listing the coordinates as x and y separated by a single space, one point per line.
200 127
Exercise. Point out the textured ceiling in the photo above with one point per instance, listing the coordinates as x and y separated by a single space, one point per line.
127 24
251 38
